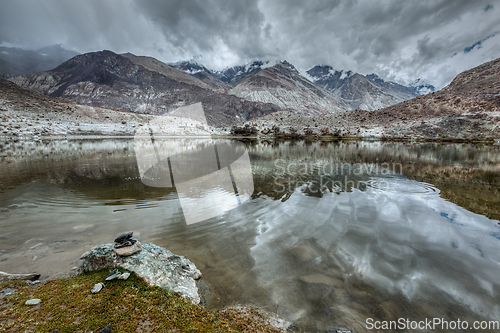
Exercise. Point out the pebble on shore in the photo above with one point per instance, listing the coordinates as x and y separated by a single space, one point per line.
33 301
97 288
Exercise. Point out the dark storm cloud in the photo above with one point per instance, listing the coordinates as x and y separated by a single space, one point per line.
208 24
82 24
400 40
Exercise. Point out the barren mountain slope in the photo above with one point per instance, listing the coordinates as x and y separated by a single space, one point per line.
283 86
468 108
202 73
368 92
107 79
26 112
164 69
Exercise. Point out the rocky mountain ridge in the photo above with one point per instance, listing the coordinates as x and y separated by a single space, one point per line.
28 113
202 73
283 86
236 74
368 92
139 84
350 90
468 109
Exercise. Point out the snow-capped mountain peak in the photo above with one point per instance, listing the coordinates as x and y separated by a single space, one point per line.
258 64
320 72
325 72
190 66
234 75
368 92
422 87
345 75
289 65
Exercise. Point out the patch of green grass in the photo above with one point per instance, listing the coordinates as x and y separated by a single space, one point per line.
68 305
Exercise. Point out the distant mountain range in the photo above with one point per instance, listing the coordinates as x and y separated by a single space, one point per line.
350 90
15 61
139 84
360 92
466 110
147 85
283 85
316 102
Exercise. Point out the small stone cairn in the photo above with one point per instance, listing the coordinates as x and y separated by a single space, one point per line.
126 246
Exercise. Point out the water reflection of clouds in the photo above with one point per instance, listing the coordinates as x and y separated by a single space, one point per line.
406 240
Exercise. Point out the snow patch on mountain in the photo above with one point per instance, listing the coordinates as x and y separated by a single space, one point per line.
345 75
284 86
236 74
422 87
257 65
358 91
190 66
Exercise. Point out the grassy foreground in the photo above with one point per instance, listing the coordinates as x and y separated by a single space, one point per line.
67 305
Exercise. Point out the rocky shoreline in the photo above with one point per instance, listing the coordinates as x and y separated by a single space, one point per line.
125 305
150 264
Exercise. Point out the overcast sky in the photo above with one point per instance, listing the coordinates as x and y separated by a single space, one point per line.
399 40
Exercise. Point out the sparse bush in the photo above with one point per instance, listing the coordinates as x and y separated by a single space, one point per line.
244 130
276 130
294 134
308 131
337 132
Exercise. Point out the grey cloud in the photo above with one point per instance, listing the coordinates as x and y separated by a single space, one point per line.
206 25
400 40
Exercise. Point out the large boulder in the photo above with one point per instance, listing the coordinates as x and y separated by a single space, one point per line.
156 265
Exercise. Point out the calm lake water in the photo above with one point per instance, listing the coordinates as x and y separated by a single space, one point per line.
326 235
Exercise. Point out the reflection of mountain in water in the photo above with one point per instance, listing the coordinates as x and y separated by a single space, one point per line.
468 175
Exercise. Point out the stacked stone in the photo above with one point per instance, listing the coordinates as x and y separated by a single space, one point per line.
126 246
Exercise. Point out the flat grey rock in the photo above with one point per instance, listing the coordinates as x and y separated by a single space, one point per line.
128 250
7 292
156 265
9 277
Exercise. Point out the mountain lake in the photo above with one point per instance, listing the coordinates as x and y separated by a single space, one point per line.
329 235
